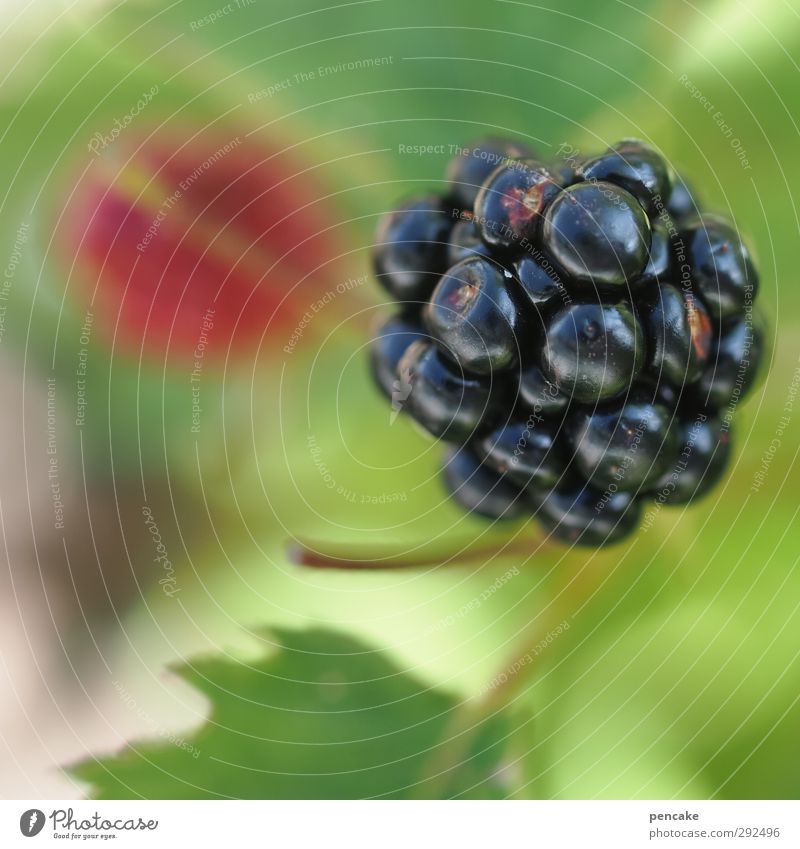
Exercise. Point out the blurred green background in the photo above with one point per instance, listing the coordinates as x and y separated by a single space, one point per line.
678 675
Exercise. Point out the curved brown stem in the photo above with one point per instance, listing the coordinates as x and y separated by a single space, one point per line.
311 555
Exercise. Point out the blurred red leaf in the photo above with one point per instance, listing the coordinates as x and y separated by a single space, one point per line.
167 228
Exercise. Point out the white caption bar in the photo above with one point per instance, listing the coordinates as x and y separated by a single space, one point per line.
400 825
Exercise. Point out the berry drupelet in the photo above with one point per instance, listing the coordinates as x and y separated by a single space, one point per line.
580 334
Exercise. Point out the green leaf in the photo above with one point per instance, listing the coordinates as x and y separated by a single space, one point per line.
322 716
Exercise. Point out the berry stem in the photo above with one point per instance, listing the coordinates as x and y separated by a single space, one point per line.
311 555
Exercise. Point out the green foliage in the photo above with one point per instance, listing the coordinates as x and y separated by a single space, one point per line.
323 716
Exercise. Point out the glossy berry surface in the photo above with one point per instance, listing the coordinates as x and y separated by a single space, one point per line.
391 338
447 403
579 333
733 365
474 315
465 242
721 268
679 332
704 447
477 488
511 203
411 248
539 280
598 233
623 446
583 516
472 165
525 451
634 166
659 259
539 395
681 202
593 352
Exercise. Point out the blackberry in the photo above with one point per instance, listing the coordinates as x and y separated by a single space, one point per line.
681 203
473 313
410 248
721 267
539 280
679 330
598 233
390 340
636 167
579 332
539 395
524 452
478 488
581 515
593 351
622 446
510 204
443 399
659 258
733 365
465 242
468 171
704 446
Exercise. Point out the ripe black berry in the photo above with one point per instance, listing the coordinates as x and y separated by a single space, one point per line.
448 403
583 516
679 333
469 169
525 451
474 314
634 166
681 203
390 340
510 205
733 364
476 487
721 267
704 446
564 173
622 447
539 280
582 334
410 248
593 352
465 242
659 258
539 395
598 233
